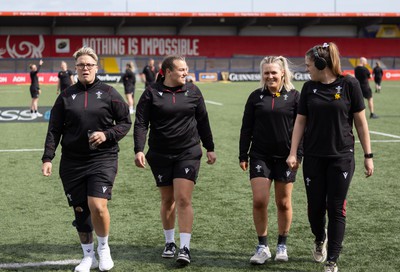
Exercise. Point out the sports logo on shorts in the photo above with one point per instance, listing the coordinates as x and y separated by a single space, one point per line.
69 197
187 170
258 167
308 181
159 178
104 189
345 175
287 173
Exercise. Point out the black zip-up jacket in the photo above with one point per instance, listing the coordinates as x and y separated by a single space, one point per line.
80 108
34 78
267 125
177 118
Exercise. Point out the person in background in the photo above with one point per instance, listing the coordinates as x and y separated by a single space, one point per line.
35 89
378 74
89 118
266 131
149 73
329 105
176 114
362 74
65 77
129 80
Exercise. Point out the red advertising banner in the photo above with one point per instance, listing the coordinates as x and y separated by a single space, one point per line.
51 78
45 46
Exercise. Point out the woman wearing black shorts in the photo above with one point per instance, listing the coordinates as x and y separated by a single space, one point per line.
178 119
329 104
267 127
129 80
89 118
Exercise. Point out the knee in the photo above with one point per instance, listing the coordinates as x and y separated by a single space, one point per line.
98 208
167 201
183 201
283 205
82 222
259 204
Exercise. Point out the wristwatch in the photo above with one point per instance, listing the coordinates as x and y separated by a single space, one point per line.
369 156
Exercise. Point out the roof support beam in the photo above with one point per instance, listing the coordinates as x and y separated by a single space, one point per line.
186 22
311 22
246 23
119 26
53 25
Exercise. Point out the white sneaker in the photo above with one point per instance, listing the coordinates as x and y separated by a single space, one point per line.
281 253
262 254
331 267
131 111
34 115
105 260
39 114
319 252
87 263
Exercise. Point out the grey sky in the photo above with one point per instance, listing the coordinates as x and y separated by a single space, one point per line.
202 5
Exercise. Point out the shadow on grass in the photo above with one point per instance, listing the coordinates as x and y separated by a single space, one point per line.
142 258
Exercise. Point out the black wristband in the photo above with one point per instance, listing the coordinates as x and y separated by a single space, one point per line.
369 156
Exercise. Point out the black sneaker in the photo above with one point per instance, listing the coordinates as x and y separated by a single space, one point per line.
169 250
373 116
183 256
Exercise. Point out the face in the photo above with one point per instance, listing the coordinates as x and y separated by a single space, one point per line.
311 69
63 66
272 76
86 75
177 77
33 67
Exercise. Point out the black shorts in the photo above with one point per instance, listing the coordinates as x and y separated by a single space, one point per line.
378 80
34 92
366 91
273 169
90 178
129 90
167 167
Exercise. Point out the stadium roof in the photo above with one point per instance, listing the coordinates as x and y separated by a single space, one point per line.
180 20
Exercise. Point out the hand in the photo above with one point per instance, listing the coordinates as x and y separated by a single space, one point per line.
140 160
369 167
292 162
40 62
97 138
46 169
211 157
244 165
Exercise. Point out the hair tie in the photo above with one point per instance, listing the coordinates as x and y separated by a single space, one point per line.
161 72
325 45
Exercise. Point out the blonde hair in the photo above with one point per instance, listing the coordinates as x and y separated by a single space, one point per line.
284 65
85 51
330 53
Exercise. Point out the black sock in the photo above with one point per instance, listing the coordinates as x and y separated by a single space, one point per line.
263 240
282 240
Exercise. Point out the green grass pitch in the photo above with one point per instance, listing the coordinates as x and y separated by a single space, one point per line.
35 220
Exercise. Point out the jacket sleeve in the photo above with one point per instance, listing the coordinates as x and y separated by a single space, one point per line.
300 147
142 121
203 124
121 116
54 131
246 131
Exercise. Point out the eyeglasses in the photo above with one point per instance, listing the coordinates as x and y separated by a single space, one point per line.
82 66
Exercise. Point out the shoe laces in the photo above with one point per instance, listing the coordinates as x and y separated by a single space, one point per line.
330 266
170 246
260 249
280 249
319 246
185 251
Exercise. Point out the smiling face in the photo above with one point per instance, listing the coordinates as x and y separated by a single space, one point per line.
177 76
86 74
272 74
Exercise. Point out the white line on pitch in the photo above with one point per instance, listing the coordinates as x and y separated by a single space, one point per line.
46 263
20 150
384 134
213 102
383 141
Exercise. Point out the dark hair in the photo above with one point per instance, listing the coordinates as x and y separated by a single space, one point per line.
168 63
330 53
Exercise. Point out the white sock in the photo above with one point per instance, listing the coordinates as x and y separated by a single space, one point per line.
102 242
185 240
88 249
169 235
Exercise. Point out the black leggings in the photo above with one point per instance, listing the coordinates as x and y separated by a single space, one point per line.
327 182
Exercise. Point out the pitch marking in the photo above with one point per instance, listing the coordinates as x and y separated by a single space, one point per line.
213 102
46 263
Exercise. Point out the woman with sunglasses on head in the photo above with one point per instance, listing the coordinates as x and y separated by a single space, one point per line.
177 117
329 105
265 135
89 118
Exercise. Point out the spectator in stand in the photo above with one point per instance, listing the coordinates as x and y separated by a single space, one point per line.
149 73
362 74
35 89
378 75
65 78
129 80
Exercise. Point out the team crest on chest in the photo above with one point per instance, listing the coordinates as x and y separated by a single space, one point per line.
73 96
314 90
99 94
160 93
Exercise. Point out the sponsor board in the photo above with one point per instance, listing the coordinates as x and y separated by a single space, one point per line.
22 114
208 77
244 77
